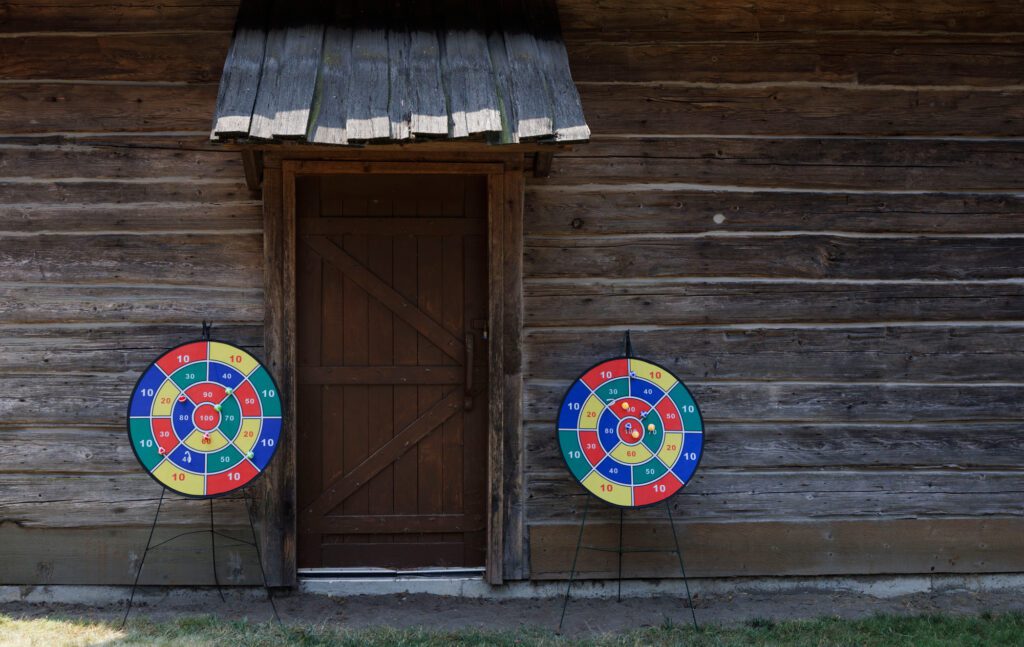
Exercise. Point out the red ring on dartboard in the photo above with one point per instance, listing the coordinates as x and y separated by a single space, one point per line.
186 423
630 432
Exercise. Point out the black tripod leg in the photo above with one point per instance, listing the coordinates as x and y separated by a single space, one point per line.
259 557
682 569
572 572
142 563
213 554
618 596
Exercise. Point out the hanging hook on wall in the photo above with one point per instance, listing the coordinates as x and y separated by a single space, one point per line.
206 329
628 345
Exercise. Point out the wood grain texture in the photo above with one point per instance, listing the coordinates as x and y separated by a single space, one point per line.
859 163
583 212
169 57
700 20
912 354
812 256
771 549
239 83
922 60
763 109
40 107
172 259
112 161
798 496
665 302
77 304
111 556
117 15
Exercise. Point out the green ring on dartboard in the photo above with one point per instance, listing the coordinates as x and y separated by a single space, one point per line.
630 432
204 419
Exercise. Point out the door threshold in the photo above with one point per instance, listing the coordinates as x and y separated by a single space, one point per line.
374 573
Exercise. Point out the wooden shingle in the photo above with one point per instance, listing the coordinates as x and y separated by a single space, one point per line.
374 73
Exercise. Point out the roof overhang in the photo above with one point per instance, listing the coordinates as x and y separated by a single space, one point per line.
355 73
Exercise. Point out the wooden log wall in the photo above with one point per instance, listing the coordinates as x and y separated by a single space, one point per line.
121 230
812 212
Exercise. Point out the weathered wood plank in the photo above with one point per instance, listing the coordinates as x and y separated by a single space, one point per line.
529 93
469 82
862 164
811 402
98 193
240 78
786 549
103 500
93 107
965 445
331 100
113 161
652 109
702 20
76 450
367 117
35 303
117 15
111 555
400 92
801 495
73 348
892 353
174 57
138 218
665 302
640 210
807 257
265 109
566 110
229 261
426 93
980 60
293 95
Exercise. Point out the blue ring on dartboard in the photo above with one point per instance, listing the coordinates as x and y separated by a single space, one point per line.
630 432
204 418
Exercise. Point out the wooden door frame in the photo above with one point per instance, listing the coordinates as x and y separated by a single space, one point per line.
505 184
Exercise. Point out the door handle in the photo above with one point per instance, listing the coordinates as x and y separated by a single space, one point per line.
467 402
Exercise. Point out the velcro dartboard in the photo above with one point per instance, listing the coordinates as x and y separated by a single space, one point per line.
205 419
630 432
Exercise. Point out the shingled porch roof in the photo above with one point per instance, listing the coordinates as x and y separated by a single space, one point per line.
383 72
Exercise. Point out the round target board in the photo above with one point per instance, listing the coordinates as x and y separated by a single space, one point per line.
205 419
630 432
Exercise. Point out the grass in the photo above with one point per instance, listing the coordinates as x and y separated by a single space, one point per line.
203 631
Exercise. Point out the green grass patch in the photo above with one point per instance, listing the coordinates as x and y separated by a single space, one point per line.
203 631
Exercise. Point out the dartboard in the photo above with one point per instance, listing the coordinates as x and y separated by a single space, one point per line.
205 418
630 432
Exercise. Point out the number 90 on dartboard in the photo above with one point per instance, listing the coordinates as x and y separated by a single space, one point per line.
205 419
630 432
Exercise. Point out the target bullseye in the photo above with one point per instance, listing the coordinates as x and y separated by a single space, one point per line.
205 419
630 432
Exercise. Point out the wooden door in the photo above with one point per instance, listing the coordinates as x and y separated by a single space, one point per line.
391 290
